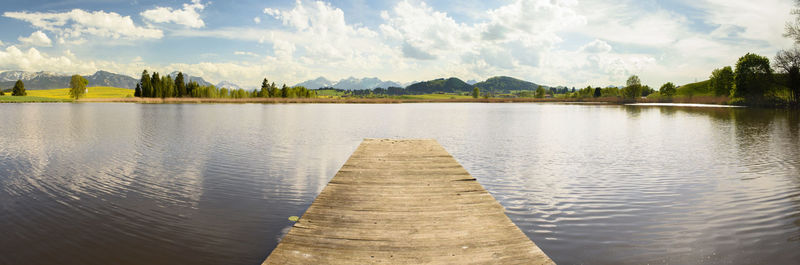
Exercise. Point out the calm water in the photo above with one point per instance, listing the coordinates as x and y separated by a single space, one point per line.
215 184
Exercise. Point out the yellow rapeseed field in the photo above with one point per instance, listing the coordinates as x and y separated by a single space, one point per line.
94 92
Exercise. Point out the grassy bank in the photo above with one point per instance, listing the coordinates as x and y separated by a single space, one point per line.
27 99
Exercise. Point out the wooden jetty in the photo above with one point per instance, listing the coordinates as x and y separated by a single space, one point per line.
405 202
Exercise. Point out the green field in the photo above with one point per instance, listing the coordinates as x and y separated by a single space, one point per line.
329 93
9 98
94 92
695 89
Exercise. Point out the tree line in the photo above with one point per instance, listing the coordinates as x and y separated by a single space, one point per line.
156 86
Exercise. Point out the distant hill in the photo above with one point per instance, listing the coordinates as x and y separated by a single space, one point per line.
188 78
228 84
353 83
108 79
450 85
316 83
695 89
350 83
49 80
503 84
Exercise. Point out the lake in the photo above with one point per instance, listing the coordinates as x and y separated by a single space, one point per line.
215 184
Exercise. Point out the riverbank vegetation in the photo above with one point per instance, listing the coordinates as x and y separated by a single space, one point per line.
156 86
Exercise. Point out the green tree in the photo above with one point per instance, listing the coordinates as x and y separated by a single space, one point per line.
157 86
169 87
668 90
284 91
19 89
598 92
77 86
180 85
265 88
632 89
138 91
476 92
721 81
647 90
147 88
539 92
788 62
752 78
223 93
192 89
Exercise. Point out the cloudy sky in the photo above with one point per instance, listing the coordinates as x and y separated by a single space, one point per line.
552 42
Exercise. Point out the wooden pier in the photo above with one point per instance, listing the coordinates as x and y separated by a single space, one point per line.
405 202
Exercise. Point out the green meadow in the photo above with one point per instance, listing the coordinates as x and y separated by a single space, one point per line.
9 98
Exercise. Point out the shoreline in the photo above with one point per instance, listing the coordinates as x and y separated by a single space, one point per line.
342 100
601 101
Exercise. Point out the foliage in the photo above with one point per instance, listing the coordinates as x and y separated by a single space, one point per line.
632 89
598 92
77 86
441 85
668 90
153 86
721 81
752 78
180 85
610 92
539 92
476 92
788 62
646 90
19 89
505 84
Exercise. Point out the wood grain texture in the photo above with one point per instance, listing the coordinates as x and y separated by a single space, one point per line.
405 202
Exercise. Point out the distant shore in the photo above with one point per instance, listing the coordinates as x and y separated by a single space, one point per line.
608 100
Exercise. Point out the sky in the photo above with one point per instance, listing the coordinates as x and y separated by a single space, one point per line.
552 42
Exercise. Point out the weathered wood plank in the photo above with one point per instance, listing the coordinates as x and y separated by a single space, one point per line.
405 202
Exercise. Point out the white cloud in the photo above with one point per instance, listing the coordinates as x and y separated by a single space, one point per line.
12 58
630 23
596 46
257 20
752 20
425 33
37 38
245 53
77 23
188 16
1 43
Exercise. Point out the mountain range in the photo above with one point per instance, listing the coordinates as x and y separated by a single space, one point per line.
350 83
497 84
50 80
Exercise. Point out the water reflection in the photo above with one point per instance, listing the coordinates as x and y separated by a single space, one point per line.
210 184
